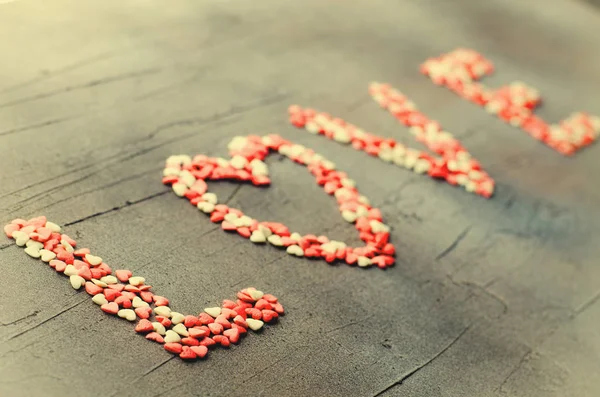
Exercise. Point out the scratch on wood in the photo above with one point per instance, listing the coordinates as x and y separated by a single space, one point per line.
420 367
127 204
48 319
454 244
34 126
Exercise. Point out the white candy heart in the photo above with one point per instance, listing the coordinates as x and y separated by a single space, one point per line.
295 250
32 252
378 227
47 255
137 302
363 261
230 217
53 226
36 245
275 240
205 207
164 311
296 236
70 270
258 237
76 281
135 281
93 260
99 299
158 327
213 311
99 283
253 324
20 238
238 162
109 279
181 329
177 318
187 178
255 294
179 188
210 198
349 216
172 337
265 230
171 171
68 247
127 314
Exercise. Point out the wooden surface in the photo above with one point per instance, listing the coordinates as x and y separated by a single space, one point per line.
488 298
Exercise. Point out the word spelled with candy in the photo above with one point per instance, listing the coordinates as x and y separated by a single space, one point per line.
460 70
128 296
454 163
188 178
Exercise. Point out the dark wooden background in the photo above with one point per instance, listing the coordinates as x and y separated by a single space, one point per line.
487 298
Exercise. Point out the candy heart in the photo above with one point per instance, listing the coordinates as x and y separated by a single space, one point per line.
137 302
143 312
76 281
172 336
268 315
215 328
110 308
21 238
223 340
159 328
155 336
160 300
181 329
144 326
164 311
53 227
127 314
213 311
201 351
111 294
177 318
187 353
173 347
233 334
247 165
254 325
96 281
99 299
70 270
255 294
135 281
92 288
109 279
123 275
47 255
93 260
197 333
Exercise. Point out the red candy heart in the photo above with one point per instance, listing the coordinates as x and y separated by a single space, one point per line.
143 312
201 351
144 326
123 275
110 308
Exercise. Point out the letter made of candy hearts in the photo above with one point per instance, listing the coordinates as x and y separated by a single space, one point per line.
452 163
460 71
188 178
129 297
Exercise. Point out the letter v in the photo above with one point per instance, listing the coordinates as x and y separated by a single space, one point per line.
454 163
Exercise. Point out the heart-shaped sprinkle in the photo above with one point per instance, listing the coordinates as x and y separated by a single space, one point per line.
70 270
137 302
197 333
213 311
123 301
76 281
53 227
223 340
143 312
85 272
258 237
160 300
123 275
215 328
144 326
158 327
255 294
177 318
33 252
10 229
110 308
111 294
99 299
47 255
254 325
172 337
233 334
201 351
127 314
135 281
181 329
187 353
164 311
97 282
269 315
172 347
363 261
109 279
21 238
92 288
188 341
156 337
295 250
